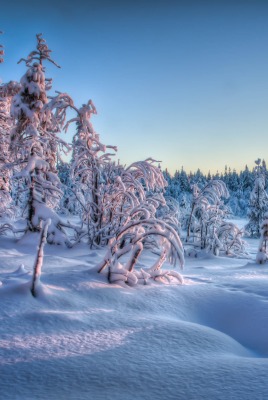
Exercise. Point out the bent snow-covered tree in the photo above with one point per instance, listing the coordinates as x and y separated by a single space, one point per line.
136 196
230 239
126 248
34 143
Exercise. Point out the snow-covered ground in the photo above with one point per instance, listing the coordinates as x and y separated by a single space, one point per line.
83 338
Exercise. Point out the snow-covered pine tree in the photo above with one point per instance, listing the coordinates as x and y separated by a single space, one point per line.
5 198
258 204
90 162
262 255
7 91
34 143
184 181
198 178
69 205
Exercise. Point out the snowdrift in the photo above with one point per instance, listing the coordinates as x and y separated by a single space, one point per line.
83 338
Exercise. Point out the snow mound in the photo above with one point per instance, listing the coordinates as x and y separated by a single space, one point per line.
82 337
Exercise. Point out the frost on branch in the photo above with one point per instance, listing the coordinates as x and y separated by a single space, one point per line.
41 53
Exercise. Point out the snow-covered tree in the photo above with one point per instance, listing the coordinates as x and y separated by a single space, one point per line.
90 162
230 239
142 220
129 244
7 91
184 181
206 216
34 143
262 254
258 202
119 204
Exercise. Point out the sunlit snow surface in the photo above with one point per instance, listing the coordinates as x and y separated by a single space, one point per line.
82 338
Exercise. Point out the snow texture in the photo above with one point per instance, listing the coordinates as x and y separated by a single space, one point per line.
83 338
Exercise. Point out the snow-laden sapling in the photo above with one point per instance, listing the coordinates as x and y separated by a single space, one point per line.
207 212
230 239
207 225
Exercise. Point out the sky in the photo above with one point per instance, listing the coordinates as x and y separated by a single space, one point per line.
184 82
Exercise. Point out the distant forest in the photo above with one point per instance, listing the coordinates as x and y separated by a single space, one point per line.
239 185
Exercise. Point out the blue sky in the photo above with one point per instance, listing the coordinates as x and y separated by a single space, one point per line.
185 82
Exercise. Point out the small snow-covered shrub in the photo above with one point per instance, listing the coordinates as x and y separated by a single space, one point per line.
230 240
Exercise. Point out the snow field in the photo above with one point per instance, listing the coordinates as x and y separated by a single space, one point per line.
83 338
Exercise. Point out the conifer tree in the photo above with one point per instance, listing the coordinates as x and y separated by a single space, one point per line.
7 91
34 142
258 202
89 160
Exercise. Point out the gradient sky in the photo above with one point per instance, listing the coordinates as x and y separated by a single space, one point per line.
185 82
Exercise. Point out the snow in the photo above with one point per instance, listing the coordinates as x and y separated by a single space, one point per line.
83 338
